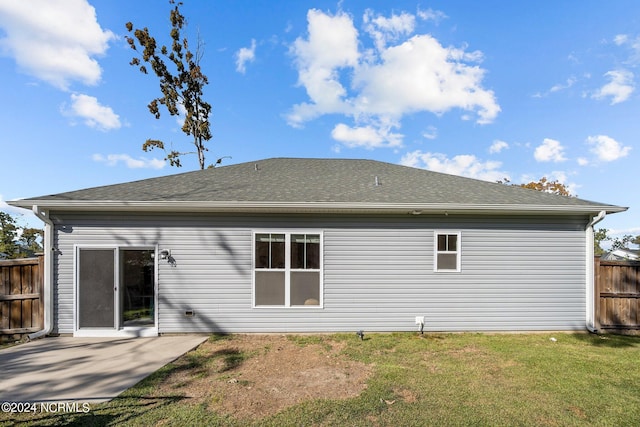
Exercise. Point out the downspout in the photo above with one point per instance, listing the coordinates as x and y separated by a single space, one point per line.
48 274
591 308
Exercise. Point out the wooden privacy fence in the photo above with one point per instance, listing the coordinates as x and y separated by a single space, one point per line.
21 304
617 287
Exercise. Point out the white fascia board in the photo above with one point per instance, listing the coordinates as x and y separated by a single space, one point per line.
306 207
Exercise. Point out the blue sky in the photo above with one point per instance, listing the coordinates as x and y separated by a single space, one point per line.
489 90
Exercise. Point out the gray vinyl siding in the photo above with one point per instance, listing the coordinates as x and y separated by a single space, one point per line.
517 272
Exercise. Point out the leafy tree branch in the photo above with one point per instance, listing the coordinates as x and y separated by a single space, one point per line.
181 82
17 241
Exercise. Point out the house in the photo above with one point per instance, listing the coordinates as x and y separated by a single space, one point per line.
621 254
315 245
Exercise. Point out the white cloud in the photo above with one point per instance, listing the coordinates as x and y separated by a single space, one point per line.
619 88
11 210
431 15
498 146
54 40
573 58
614 232
182 113
620 39
463 165
332 44
383 30
244 55
559 176
583 161
130 162
633 43
422 75
606 148
402 75
24 217
549 151
94 115
366 136
570 82
557 88
430 133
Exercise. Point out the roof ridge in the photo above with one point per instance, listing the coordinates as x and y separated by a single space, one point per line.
287 180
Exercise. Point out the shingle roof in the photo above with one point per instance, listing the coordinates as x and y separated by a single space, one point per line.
322 182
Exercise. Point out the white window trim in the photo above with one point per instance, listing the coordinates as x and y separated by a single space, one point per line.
287 270
458 251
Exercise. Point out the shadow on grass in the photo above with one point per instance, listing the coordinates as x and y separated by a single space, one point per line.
119 411
231 358
140 399
609 340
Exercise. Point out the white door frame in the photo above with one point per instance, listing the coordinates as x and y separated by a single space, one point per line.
116 330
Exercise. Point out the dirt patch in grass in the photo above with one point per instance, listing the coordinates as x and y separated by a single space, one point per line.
253 376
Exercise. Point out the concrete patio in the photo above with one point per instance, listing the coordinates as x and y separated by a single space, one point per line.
84 369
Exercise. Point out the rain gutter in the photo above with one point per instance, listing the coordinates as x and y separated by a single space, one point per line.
47 290
590 281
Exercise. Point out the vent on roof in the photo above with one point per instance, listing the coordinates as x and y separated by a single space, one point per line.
255 167
377 181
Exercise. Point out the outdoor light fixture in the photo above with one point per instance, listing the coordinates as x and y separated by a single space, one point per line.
165 253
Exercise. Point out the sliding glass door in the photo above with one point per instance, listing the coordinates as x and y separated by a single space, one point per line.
115 288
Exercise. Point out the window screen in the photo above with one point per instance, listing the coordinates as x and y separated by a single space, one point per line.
305 288
270 288
96 283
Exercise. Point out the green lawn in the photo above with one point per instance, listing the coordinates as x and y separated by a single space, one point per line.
434 379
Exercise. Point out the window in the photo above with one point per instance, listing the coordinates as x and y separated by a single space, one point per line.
287 269
270 266
447 252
